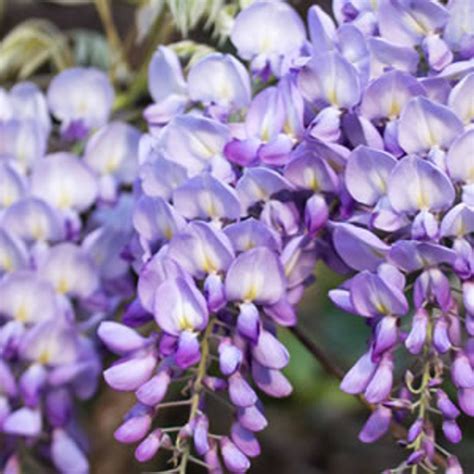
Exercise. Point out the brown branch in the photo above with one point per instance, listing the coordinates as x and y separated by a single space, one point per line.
399 432
318 353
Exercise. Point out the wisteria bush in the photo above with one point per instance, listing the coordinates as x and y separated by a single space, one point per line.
163 250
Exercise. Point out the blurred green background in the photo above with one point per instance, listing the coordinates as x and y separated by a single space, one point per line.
313 431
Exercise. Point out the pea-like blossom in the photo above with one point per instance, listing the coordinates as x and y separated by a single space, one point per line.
59 273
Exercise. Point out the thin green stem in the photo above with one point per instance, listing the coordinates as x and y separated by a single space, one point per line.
198 388
113 38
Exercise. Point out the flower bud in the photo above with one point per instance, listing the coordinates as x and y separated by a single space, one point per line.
147 449
234 459
452 431
316 214
377 425
135 427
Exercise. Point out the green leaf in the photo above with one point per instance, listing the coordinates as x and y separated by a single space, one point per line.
91 49
145 16
31 45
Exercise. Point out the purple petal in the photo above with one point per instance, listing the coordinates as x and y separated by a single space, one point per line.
250 233
152 392
461 371
201 431
386 335
329 79
230 357
451 431
248 322
201 249
386 54
270 352
372 296
252 418
459 160
148 448
23 422
367 174
417 336
247 277
207 198
425 124
66 454
240 392
380 386
165 77
309 171
359 248
271 381
130 374
447 407
466 400
376 426
387 95
119 338
180 306
134 429
283 34
83 94
357 379
234 459
188 352
219 79
431 189
245 440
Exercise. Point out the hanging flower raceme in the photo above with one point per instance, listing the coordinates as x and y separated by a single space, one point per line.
410 232
61 273
232 203
350 146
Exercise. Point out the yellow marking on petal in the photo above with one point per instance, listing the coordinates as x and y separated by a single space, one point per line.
224 91
7 199
290 131
470 174
332 96
265 44
21 314
208 265
250 244
168 232
395 109
44 357
64 200
311 180
265 135
251 293
184 323
291 263
38 231
381 308
112 164
422 200
6 262
63 285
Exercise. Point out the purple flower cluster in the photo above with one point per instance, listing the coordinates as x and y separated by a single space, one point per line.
63 228
354 146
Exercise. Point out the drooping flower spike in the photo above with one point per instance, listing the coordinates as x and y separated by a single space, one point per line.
349 146
61 270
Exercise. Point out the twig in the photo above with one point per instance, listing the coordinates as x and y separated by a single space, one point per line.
318 353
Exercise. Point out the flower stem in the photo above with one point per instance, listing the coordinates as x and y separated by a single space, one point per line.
398 431
198 388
